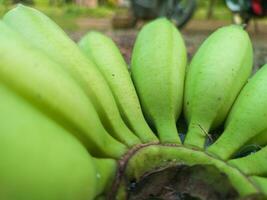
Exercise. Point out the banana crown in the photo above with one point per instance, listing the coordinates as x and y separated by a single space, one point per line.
70 113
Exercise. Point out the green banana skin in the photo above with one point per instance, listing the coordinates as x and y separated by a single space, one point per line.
147 158
247 117
261 182
253 164
158 66
106 170
215 77
50 89
39 159
44 34
260 139
107 57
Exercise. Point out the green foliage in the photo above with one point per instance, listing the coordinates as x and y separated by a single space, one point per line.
4 2
220 11
65 14
49 2
3 8
205 3
41 2
75 10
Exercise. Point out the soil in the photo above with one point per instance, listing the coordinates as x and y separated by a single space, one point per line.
194 33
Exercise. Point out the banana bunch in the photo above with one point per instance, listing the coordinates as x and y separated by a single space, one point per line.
75 124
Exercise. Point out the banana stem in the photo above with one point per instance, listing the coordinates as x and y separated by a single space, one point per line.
105 174
167 131
162 155
196 136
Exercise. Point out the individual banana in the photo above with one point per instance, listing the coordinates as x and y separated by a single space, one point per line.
44 34
247 117
260 139
215 76
158 66
39 159
96 46
50 89
261 183
106 171
253 164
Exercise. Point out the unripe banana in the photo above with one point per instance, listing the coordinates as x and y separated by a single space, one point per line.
260 139
261 182
158 66
253 164
107 57
39 159
247 117
106 170
215 76
44 34
49 88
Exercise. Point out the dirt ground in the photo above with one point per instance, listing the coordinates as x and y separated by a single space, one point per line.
194 33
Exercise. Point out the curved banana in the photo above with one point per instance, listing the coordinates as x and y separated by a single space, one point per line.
215 76
158 66
39 159
106 170
49 88
261 182
44 34
260 139
253 164
96 46
247 117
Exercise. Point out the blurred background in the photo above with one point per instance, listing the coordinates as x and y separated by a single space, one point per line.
121 19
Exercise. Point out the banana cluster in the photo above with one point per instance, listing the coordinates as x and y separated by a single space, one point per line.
69 112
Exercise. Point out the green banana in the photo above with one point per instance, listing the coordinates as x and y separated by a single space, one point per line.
260 139
56 104
215 77
247 117
158 66
35 77
44 34
106 170
261 182
40 160
253 164
96 46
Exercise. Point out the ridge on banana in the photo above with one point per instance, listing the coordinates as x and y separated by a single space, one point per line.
76 124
